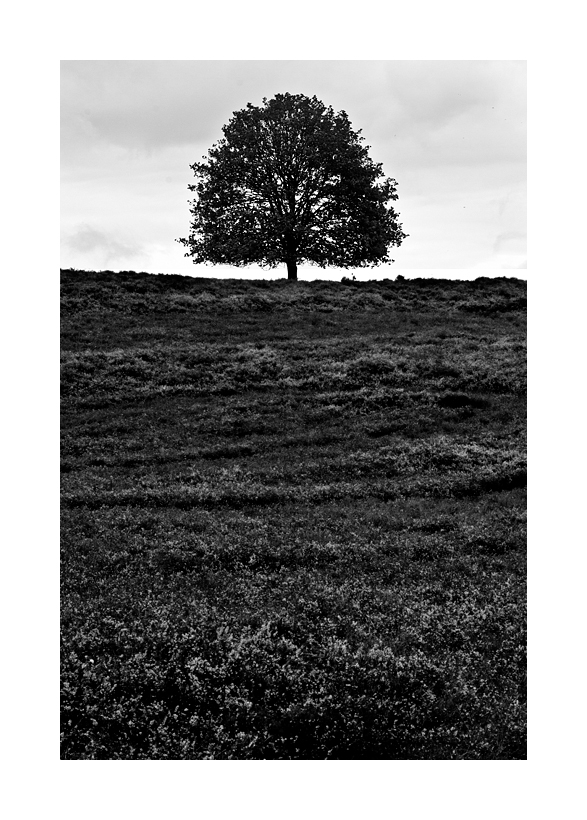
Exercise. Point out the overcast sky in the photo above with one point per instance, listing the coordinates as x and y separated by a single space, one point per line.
452 133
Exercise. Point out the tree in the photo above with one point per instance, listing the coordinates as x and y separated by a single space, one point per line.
291 182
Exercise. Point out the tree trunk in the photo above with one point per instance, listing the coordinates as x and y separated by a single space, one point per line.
292 269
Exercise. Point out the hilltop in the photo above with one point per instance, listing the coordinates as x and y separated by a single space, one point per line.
144 292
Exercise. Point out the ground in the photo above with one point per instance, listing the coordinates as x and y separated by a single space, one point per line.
293 518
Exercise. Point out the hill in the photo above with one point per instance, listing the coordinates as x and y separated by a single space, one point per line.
293 518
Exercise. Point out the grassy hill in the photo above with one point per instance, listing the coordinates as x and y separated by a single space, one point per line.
293 518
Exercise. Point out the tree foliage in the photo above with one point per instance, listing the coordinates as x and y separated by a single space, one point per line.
291 182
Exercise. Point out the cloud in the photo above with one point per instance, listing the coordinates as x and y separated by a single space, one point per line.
145 104
510 242
88 240
153 104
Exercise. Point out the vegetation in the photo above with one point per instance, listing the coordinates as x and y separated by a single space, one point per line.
293 520
291 182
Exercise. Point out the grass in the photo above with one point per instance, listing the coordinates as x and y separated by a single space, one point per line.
293 519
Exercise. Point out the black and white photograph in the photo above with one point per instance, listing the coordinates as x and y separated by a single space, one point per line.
293 410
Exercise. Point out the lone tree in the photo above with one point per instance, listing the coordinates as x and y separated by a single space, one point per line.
290 182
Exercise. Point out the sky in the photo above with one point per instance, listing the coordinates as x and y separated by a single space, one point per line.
451 132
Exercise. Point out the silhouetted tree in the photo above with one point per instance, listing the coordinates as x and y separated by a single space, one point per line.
290 182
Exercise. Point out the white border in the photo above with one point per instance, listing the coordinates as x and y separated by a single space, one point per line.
549 783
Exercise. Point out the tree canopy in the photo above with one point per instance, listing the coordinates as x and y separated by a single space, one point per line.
291 182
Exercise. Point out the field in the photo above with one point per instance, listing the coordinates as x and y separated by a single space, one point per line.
293 519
